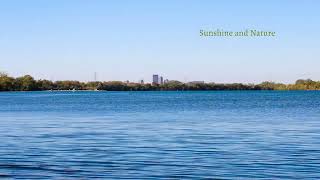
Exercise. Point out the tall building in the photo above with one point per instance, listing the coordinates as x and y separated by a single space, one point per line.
161 80
155 79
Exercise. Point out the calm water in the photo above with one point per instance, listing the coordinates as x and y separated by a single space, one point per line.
169 135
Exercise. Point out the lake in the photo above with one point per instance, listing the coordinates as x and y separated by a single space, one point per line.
160 135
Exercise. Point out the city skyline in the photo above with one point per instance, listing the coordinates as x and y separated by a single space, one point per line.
126 40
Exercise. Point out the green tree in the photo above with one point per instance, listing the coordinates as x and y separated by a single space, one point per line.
45 85
6 82
25 83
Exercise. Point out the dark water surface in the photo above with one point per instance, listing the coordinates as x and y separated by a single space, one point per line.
169 135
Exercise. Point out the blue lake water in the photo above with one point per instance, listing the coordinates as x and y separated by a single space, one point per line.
160 135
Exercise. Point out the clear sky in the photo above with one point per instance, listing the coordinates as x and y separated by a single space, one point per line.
131 40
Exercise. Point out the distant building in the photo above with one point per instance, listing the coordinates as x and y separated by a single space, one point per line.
141 81
155 79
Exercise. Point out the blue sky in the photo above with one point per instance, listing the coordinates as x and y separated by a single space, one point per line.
131 40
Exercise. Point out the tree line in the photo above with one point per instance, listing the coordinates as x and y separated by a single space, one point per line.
28 83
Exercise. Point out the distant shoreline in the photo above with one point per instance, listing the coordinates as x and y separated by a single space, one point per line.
100 91
28 83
